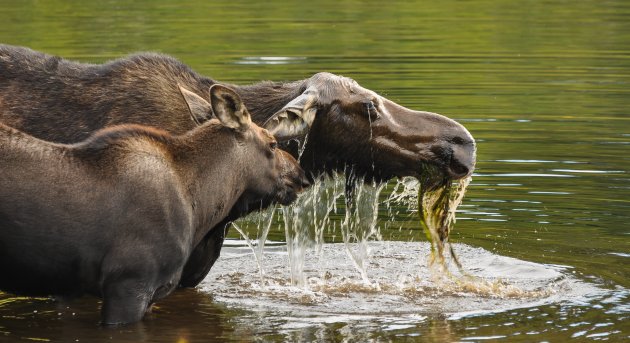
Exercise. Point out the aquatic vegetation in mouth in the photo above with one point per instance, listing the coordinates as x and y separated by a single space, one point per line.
437 202
437 205
437 199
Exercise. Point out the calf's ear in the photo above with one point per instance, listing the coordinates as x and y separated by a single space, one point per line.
228 107
200 109
295 118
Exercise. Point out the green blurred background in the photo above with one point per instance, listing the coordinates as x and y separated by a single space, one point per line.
544 86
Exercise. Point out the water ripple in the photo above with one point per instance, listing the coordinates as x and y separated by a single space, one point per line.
589 171
521 175
271 60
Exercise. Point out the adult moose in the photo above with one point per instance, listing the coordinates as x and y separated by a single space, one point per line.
349 128
118 214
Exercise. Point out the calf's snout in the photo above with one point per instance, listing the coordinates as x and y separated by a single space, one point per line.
299 181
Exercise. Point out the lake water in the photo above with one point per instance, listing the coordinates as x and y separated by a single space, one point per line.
543 86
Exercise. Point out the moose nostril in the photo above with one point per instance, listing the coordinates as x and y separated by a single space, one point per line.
458 169
459 140
462 161
462 170
304 182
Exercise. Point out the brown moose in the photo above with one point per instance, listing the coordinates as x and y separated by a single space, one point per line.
118 215
341 126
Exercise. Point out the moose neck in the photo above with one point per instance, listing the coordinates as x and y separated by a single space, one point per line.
211 200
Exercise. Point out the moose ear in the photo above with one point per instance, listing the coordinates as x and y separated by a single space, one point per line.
228 107
200 109
295 118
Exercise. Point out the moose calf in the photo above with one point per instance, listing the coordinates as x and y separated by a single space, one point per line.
119 214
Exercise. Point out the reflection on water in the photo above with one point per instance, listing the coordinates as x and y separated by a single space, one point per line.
270 60
185 316
542 86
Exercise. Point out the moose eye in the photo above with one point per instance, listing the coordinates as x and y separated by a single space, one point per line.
371 110
273 145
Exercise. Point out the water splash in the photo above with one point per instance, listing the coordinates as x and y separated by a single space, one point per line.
313 214
405 286
436 206
306 220
405 192
316 212
264 220
397 281
360 225
463 282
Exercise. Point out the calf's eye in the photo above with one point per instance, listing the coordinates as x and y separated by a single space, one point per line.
273 145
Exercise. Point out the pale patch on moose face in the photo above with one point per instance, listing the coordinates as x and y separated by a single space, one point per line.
295 118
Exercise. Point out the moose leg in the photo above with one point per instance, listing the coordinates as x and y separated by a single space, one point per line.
203 257
124 302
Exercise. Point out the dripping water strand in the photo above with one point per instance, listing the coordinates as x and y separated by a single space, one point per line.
265 219
359 226
302 147
305 222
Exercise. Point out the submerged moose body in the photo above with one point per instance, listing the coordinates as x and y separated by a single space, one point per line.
339 125
118 215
